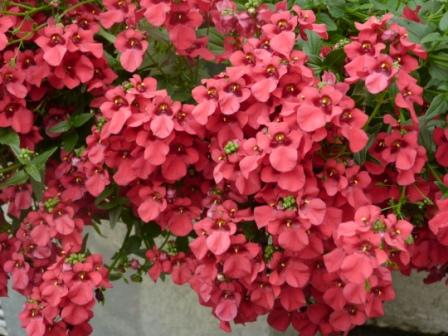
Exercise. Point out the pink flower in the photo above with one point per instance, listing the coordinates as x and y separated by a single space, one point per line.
82 40
381 76
13 113
53 42
318 107
281 144
13 80
409 93
132 45
155 11
182 23
153 203
162 110
6 22
117 11
74 70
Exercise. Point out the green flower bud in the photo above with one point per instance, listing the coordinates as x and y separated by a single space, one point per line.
75 258
289 203
410 240
51 203
136 277
379 226
231 147
268 252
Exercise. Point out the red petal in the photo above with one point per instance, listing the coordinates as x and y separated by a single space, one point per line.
218 242
226 310
283 158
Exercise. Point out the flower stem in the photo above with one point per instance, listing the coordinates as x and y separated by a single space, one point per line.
10 168
16 4
377 107
120 251
435 173
165 242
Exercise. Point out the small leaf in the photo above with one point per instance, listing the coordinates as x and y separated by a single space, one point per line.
182 244
443 188
9 137
431 38
114 216
335 59
61 127
33 172
438 106
111 189
132 245
38 189
325 18
96 227
336 8
151 230
443 24
416 30
107 36
361 156
425 136
78 120
313 45
19 178
40 160
114 276
70 140
17 152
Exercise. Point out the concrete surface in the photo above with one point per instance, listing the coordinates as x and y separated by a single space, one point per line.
164 309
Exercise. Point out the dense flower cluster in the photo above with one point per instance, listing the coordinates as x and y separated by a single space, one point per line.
275 190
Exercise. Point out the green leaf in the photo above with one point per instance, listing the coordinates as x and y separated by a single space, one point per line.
17 152
132 245
313 45
443 24
443 188
107 36
114 276
182 244
9 137
61 127
114 216
78 120
425 136
111 189
361 156
325 18
19 178
96 227
33 172
40 160
417 31
439 105
69 141
152 229
38 189
431 38
335 59
336 8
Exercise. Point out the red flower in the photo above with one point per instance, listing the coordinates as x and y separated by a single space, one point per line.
181 22
132 46
6 22
53 42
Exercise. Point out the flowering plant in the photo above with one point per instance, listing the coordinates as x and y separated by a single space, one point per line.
280 158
